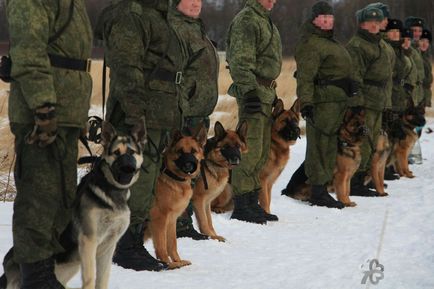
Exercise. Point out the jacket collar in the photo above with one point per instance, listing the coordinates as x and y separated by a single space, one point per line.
309 28
376 38
258 8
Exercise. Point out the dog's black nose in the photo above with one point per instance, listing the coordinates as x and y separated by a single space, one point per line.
189 167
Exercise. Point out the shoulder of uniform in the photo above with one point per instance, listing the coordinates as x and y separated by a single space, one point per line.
135 7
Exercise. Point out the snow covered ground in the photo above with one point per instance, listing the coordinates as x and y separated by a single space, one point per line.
310 247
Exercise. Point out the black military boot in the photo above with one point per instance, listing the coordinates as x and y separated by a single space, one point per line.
3 282
358 187
254 205
320 197
39 275
390 174
298 178
131 254
184 226
243 211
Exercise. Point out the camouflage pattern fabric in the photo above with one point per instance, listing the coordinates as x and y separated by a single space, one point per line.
254 50
401 73
320 57
31 23
418 93
392 60
428 80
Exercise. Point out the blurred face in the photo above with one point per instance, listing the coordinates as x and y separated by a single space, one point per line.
394 34
383 24
267 4
324 22
372 26
190 8
423 44
407 42
417 32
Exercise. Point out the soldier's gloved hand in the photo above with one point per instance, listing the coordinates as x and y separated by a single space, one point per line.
252 103
357 109
388 115
45 130
307 112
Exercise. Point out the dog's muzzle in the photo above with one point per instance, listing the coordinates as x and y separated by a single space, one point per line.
362 131
187 163
291 131
232 155
124 169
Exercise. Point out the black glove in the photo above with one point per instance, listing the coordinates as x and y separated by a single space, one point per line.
388 115
45 130
356 109
307 112
252 103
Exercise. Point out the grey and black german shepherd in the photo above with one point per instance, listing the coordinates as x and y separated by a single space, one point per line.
101 214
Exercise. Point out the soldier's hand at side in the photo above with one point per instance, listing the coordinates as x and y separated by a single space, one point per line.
388 115
252 103
307 112
45 130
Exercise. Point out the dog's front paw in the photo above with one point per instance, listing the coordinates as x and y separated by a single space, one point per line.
350 204
178 264
218 238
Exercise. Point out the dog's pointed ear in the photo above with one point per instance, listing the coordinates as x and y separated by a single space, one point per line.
296 106
242 131
201 135
219 131
138 132
278 108
108 133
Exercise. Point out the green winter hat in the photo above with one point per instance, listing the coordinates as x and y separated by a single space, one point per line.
369 13
321 8
383 7
414 21
427 35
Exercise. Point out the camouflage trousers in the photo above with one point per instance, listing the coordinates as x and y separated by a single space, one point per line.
373 120
322 141
245 177
46 182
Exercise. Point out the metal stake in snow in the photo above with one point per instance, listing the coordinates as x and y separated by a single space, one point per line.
374 266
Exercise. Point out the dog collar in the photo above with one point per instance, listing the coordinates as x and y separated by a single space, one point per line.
172 175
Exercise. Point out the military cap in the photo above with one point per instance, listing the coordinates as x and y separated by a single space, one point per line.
414 21
394 24
406 33
369 13
321 8
383 7
426 34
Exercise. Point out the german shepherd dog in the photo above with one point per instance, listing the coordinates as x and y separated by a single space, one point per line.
101 214
181 163
284 133
350 136
222 153
411 118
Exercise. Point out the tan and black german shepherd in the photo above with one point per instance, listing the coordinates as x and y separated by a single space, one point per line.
101 213
182 158
411 118
284 133
222 153
350 137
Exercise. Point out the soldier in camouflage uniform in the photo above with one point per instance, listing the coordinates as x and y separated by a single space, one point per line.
254 55
372 70
424 46
50 43
146 59
199 89
416 25
323 87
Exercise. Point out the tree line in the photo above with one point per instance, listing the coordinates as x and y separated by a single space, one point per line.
288 16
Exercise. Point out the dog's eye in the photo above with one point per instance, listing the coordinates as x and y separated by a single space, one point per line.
130 151
117 152
193 151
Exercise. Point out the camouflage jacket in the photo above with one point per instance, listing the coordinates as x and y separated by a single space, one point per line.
199 86
31 24
140 47
418 93
253 49
320 57
428 80
401 77
372 69
392 59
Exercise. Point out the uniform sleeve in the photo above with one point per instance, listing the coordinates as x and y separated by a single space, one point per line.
242 55
29 31
126 47
359 70
308 61
428 82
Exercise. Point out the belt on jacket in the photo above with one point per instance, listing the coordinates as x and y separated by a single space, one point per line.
70 63
399 81
380 84
270 83
166 75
